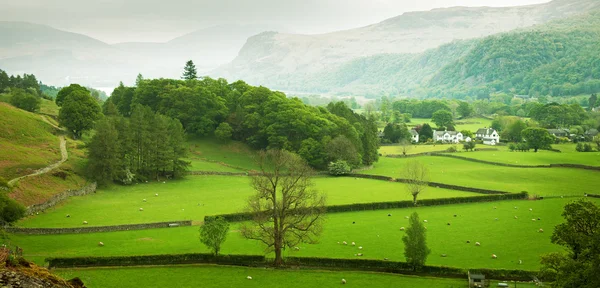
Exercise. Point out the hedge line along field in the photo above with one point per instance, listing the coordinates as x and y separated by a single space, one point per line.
536 181
568 155
471 124
198 196
379 235
212 276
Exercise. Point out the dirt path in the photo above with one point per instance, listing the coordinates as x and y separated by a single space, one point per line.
63 153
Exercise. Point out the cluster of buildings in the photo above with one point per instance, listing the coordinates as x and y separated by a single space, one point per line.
489 136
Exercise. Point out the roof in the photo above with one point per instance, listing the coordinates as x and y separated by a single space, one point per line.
441 133
414 132
485 131
476 276
592 132
558 131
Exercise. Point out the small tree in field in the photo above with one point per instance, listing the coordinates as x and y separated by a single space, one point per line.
405 146
213 234
286 210
416 175
415 243
469 146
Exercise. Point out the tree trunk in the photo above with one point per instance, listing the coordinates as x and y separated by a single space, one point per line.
535 150
415 199
278 258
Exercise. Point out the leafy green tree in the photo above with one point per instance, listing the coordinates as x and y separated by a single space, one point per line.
465 109
79 112
339 167
415 243
138 80
467 133
189 71
395 133
64 92
592 102
224 132
313 152
110 109
469 146
341 148
537 138
10 210
425 133
580 234
25 100
514 130
442 118
213 233
103 153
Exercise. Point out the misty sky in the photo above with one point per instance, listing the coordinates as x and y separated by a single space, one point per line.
116 21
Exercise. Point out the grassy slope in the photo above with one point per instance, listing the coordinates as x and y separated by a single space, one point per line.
540 181
178 200
511 239
233 153
49 107
212 276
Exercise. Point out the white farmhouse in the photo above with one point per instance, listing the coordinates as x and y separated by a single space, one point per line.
447 136
414 136
489 136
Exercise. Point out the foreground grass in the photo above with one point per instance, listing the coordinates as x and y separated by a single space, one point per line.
26 142
197 196
225 276
538 181
379 235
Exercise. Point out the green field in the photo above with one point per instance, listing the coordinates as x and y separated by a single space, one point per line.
49 107
233 153
568 155
539 181
416 149
471 124
509 238
178 200
225 276
203 165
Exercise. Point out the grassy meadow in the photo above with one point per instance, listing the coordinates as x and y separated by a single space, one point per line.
233 153
212 276
197 196
538 181
379 235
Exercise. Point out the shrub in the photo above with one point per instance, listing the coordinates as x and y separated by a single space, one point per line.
25 100
339 168
579 147
587 148
224 132
469 146
451 149
4 184
512 147
10 210
523 147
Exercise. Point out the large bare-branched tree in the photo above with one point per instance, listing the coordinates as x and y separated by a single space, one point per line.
287 210
417 176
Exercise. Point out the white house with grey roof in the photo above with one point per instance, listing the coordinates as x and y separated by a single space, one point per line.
489 136
447 136
414 136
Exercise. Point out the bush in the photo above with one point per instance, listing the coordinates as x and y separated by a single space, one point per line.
469 146
523 147
579 147
512 147
339 168
4 184
10 210
451 149
224 132
25 100
587 148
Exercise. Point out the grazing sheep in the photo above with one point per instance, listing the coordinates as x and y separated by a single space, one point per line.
541 230
539 219
401 228
37 213
164 182
389 215
477 244
156 194
494 256
141 209
249 277
338 242
425 221
515 207
520 262
345 243
496 219
443 255
353 244
530 209
84 222
68 216
533 219
385 259
343 281
144 200
100 244
360 248
353 222
405 217
359 254
495 207
516 217
297 248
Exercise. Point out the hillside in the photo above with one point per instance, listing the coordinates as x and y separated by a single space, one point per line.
273 59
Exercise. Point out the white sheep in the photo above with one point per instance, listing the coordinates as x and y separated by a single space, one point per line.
530 209
515 207
533 220
249 277
100 244
343 281
425 221
495 207
338 242
345 243
541 230
164 182
156 194
516 217
405 217
402 228
68 216
359 254
477 244
353 244
84 222
297 248
496 219
494 256
360 248
144 200
520 262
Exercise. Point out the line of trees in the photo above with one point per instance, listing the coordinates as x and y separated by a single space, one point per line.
262 118
147 145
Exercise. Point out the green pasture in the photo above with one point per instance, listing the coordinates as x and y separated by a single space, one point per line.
471 124
538 181
379 234
234 153
49 107
416 149
227 276
203 165
197 196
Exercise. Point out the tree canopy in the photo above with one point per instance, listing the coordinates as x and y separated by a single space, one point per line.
79 112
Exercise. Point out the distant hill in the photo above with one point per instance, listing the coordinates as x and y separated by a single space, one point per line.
283 60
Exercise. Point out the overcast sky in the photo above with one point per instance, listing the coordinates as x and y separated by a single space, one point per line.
116 21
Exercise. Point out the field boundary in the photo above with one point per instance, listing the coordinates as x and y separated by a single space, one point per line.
245 216
56 199
557 165
331 264
96 229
